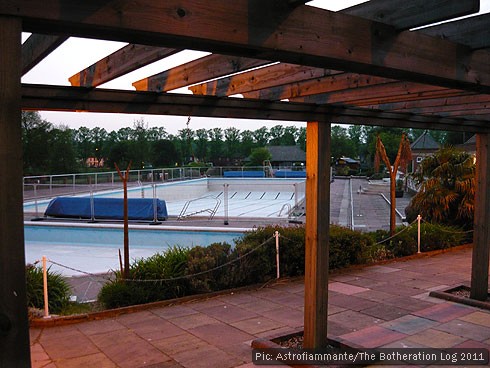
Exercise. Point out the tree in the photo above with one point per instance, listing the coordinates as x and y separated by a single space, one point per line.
447 188
164 153
276 134
232 140
259 155
202 144
62 155
35 136
342 145
246 142
216 144
261 136
403 157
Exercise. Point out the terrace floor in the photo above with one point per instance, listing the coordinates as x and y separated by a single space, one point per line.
375 306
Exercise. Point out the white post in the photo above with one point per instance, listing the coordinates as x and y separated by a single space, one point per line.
225 202
418 233
45 287
276 235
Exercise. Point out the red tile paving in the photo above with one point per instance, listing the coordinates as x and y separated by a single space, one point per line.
384 305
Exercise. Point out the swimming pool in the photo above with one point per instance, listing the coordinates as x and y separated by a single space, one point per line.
232 197
95 249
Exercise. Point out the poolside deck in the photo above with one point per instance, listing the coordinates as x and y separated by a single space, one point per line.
377 306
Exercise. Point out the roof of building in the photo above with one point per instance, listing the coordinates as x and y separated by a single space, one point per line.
286 153
425 142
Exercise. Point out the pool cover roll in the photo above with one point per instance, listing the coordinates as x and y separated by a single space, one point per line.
106 208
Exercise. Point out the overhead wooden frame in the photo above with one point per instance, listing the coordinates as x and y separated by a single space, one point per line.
434 78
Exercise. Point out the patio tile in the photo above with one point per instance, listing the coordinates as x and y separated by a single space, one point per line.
346 289
384 269
385 312
228 313
260 305
288 316
353 320
101 326
220 334
256 325
39 358
444 312
374 295
179 343
436 339
472 344
373 336
98 360
205 357
409 303
478 318
156 330
465 329
174 311
63 347
351 302
192 321
409 324
135 354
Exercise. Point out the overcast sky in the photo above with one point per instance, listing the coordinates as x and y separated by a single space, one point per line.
76 54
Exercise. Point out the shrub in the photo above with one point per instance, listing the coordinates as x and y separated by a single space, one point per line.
348 247
168 265
203 259
433 237
58 289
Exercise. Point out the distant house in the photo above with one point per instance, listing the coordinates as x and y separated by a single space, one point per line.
469 146
286 156
422 147
347 166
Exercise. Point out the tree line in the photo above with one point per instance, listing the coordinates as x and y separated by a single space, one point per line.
50 149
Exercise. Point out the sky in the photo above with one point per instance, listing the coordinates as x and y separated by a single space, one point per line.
76 54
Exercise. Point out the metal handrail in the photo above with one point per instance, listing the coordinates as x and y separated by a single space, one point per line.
212 211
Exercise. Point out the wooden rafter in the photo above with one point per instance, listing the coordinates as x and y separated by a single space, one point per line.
36 48
270 76
205 68
124 60
293 36
473 32
414 13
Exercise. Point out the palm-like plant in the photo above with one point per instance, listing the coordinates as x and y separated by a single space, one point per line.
447 188
403 157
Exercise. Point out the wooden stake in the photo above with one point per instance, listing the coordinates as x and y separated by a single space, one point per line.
125 179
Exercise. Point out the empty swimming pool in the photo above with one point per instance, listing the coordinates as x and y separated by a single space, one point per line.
233 197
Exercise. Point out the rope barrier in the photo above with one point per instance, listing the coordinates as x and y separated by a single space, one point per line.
398 233
448 231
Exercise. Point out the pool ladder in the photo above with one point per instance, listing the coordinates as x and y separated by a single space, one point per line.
212 211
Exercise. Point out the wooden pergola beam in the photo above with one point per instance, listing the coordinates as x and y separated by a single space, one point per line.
205 68
120 62
271 76
414 13
62 98
473 32
289 35
459 100
36 48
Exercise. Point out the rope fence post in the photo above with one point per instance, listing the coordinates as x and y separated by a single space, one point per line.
45 288
418 233
276 235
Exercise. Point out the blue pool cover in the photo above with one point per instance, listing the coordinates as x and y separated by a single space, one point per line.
290 174
106 208
243 174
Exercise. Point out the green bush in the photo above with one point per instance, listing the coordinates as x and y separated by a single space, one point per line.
203 259
58 289
348 247
433 237
168 265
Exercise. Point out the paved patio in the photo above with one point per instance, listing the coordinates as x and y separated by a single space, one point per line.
377 306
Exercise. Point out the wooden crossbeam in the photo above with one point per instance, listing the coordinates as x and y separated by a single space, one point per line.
259 79
414 13
456 102
473 32
62 98
380 93
295 36
37 47
120 62
205 68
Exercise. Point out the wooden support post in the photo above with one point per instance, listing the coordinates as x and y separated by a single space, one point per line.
481 236
14 327
124 179
317 233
